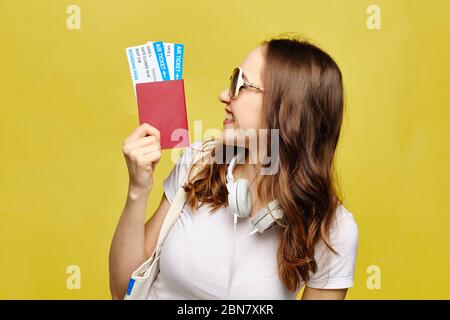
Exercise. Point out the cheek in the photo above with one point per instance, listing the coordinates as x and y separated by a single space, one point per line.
248 116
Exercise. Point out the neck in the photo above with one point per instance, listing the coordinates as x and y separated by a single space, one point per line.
249 172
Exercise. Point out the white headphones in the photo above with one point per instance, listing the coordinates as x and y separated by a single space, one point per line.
240 201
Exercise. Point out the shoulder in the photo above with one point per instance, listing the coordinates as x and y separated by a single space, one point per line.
183 159
182 162
343 236
337 270
192 152
344 229
188 153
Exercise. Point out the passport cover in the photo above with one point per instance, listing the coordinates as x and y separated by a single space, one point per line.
162 104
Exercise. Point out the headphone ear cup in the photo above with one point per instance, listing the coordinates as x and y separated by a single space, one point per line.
243 198
262 221
265 217
231 187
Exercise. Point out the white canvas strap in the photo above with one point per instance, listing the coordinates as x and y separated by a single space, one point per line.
174 210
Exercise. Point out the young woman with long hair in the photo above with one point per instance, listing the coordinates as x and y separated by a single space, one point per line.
287 85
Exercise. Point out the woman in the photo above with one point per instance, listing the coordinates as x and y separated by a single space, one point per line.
295 88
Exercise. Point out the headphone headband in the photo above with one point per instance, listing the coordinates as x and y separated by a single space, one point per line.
232 165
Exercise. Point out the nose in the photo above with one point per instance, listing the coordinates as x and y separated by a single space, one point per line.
224 96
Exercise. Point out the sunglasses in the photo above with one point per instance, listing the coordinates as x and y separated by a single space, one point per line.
237 82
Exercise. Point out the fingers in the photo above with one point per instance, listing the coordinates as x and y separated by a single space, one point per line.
145 156
142 147
151 157
142 131
133 151
149 149
145 160
141 142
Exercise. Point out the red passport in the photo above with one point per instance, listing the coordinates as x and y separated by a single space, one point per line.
162 104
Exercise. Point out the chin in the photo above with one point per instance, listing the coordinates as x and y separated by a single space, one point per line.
229 133
231 136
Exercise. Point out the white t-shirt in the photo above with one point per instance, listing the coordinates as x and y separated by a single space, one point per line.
203 258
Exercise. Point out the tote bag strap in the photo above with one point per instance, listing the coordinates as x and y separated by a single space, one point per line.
175 209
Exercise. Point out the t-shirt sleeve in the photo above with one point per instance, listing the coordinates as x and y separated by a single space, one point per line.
178 173
337 271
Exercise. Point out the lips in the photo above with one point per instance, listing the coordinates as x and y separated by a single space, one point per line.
229 116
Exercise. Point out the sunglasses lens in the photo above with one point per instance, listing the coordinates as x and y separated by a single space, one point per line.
233 82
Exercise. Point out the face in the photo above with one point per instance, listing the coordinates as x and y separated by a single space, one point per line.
244 111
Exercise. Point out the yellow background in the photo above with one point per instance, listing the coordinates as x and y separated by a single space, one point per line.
67 104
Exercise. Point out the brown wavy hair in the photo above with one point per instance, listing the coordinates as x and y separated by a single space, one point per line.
303 99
